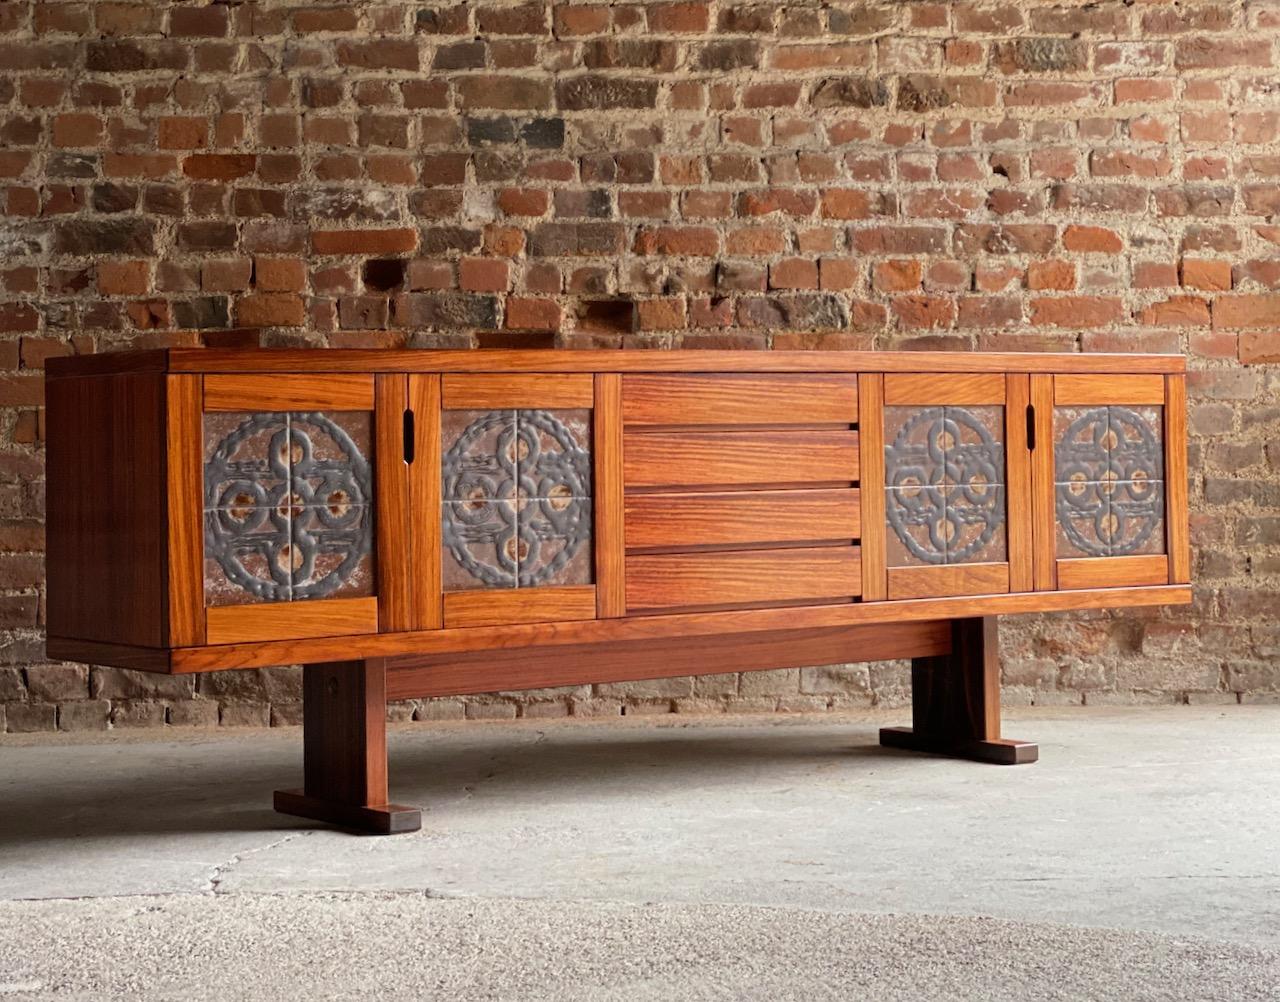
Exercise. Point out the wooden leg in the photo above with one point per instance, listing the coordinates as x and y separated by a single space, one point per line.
955 701
344 749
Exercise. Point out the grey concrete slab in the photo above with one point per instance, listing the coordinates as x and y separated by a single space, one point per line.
1165 820
274 948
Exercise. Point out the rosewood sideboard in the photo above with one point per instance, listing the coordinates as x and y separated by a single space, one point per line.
423 523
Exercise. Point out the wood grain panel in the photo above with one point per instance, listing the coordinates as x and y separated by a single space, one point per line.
392 521
497 606
297 391
395 360
1085 391
1044 532
184 435
1111 572
950 579
578 664
610 555
744 517
672 580
483 391
1021 513
509 637
931 388
874 520
106 549
730 458
322 617
425 489
725 399
1175 474
97 652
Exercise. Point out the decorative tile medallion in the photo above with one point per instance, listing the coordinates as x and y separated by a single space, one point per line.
944 479
1109 481
517 492
288 507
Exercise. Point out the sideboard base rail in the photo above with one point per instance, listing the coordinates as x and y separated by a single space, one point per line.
344 751
955 701
955 682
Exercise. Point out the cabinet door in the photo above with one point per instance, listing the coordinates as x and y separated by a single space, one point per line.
956 485
295 470
1110 480
524 461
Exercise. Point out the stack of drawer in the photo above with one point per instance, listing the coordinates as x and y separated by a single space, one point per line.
741 491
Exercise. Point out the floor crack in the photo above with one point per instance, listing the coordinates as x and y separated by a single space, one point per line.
219 873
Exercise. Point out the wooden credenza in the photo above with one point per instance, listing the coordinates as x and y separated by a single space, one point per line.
421 523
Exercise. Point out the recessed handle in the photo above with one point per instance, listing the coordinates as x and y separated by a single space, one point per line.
409 437
1031 426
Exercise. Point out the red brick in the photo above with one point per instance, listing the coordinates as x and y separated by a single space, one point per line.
271 309
279 274
837 273
479 274
1076 311
230 275
1260 348
123 278
1058 275
77 130
392 241
1212 276
678 18
687 241
1092 240
924 311
1237 312
219 166
897 276
793 273
532 314
661 314
1177 311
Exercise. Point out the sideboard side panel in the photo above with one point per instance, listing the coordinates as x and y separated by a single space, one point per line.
185 483
106 551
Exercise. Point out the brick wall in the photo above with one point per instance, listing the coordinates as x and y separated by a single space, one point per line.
724 174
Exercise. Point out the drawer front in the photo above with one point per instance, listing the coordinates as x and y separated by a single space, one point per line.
744 518
740 399
762 577
735 458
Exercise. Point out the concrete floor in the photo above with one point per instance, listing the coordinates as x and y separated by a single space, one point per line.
725 858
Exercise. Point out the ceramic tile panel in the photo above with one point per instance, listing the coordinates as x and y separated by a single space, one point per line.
959 515
1109 480
288 506
518 489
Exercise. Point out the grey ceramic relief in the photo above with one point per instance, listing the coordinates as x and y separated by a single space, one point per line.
517 498
944 480
288 507
1109 481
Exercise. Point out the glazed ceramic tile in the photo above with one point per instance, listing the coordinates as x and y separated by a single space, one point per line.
975 523
247 555
554 453
480 543
555 541
915 446
917 526
1137 518
289 506
330 458
1137 442
520 483
973 443
246 459
332 551
1108 470
480 451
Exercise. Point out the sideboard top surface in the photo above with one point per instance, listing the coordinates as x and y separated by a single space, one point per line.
225 360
